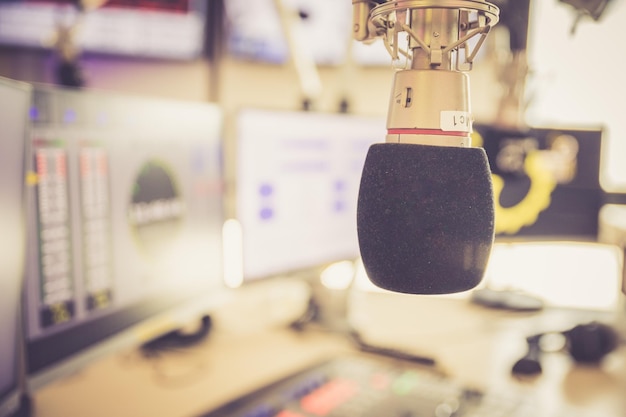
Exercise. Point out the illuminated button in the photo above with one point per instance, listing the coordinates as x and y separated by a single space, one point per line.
34 113
405 383
326 398
289 413
380 381
262 410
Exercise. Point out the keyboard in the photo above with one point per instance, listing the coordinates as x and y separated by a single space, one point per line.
366 386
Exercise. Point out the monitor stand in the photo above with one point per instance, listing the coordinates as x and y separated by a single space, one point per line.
328 310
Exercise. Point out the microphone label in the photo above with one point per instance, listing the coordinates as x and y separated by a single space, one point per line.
455 121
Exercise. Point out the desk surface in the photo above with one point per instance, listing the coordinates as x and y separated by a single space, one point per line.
474 345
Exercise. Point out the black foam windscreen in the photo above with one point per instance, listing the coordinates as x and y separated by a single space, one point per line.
425 217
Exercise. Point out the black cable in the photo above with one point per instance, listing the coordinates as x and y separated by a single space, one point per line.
312 313
389 352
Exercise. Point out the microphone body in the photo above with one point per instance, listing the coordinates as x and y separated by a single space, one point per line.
425 211
425 214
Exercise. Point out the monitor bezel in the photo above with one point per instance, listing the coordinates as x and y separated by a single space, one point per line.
11 398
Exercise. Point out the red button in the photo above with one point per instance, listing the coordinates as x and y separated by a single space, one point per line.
326 398
289 413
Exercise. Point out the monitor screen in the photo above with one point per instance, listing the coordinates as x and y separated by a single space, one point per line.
14 105
125 222
254 31
298 176
156 29
546 181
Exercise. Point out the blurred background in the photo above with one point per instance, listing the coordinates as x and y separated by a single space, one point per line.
198 162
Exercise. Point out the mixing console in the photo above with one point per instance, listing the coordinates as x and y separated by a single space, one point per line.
364 387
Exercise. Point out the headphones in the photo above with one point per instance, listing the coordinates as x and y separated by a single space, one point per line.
586 343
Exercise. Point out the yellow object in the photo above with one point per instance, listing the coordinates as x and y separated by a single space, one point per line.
511 219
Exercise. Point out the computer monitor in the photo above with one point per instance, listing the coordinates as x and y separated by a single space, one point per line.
546 181
124 225
298 176
174 29
254 32
548 200
14 105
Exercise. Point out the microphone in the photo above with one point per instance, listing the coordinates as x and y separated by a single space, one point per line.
425 213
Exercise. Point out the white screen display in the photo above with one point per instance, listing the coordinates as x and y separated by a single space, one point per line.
298 177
